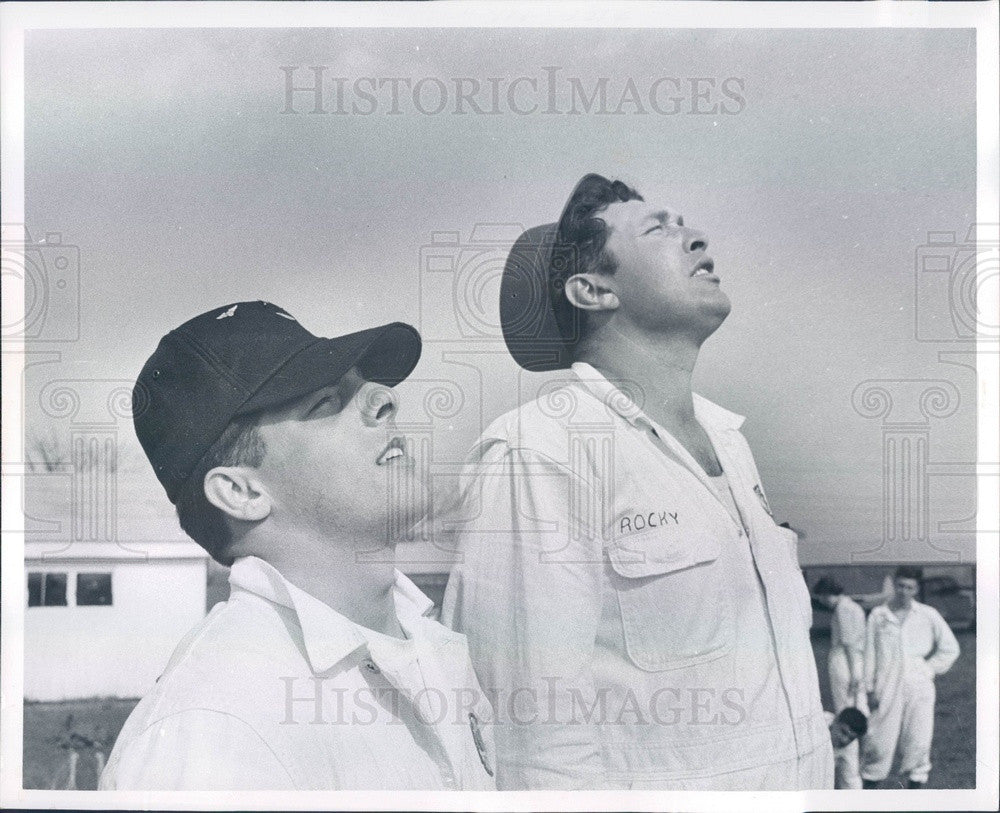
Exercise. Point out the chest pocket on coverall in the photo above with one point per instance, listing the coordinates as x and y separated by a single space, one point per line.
672 592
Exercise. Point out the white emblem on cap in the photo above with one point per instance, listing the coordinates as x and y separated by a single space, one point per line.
229 312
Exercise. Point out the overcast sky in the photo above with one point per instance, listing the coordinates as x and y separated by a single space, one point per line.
817 162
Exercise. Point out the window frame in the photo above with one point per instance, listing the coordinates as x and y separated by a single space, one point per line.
111 587
72 576
44 590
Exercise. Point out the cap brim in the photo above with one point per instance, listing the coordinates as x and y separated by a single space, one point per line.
528 321
385 354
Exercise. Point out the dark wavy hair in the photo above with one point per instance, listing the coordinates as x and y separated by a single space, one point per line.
827 587
580 247
909 572
854 719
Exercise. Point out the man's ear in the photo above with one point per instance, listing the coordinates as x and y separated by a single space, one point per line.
590 292
237 493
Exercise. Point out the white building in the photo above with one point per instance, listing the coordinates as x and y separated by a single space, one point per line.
102 620
112 583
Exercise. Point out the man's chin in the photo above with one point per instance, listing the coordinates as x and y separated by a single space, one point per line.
723 306
715 314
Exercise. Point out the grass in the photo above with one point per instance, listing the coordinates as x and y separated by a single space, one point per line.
49 726
49 729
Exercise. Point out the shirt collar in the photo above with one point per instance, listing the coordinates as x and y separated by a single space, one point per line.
916 608
329 636
620 402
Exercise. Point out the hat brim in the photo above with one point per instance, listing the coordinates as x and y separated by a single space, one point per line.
385 354
527 319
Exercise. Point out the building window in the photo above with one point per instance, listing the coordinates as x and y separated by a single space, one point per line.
46 589
93 589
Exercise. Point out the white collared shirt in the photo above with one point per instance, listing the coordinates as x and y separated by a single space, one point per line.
629 626
276 690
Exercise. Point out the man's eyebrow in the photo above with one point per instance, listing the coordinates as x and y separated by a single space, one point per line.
664 216
654 218
661 216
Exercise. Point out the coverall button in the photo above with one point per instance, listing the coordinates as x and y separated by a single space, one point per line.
371 667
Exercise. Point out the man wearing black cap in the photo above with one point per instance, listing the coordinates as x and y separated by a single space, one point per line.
626 593
320 672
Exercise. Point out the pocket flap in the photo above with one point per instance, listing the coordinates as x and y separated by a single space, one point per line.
656 552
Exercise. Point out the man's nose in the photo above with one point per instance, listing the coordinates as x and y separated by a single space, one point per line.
695 240
378 403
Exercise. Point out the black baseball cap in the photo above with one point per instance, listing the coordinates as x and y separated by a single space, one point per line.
243 358
536 268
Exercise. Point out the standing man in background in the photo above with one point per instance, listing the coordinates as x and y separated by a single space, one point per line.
907 645
847 645
845 664
628 598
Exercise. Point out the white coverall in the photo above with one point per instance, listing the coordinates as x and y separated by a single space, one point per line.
636 628
847 636
901 661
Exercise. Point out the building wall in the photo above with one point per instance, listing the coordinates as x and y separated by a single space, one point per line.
115 651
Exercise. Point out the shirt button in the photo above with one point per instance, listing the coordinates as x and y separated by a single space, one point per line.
371 667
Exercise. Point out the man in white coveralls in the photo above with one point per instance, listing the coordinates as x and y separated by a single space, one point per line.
323 670
907 645
637 615
845 666
847 645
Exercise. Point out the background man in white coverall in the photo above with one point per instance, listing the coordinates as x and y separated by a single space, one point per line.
907 644
638 615
847 645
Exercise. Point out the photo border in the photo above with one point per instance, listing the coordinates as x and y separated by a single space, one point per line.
17 18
